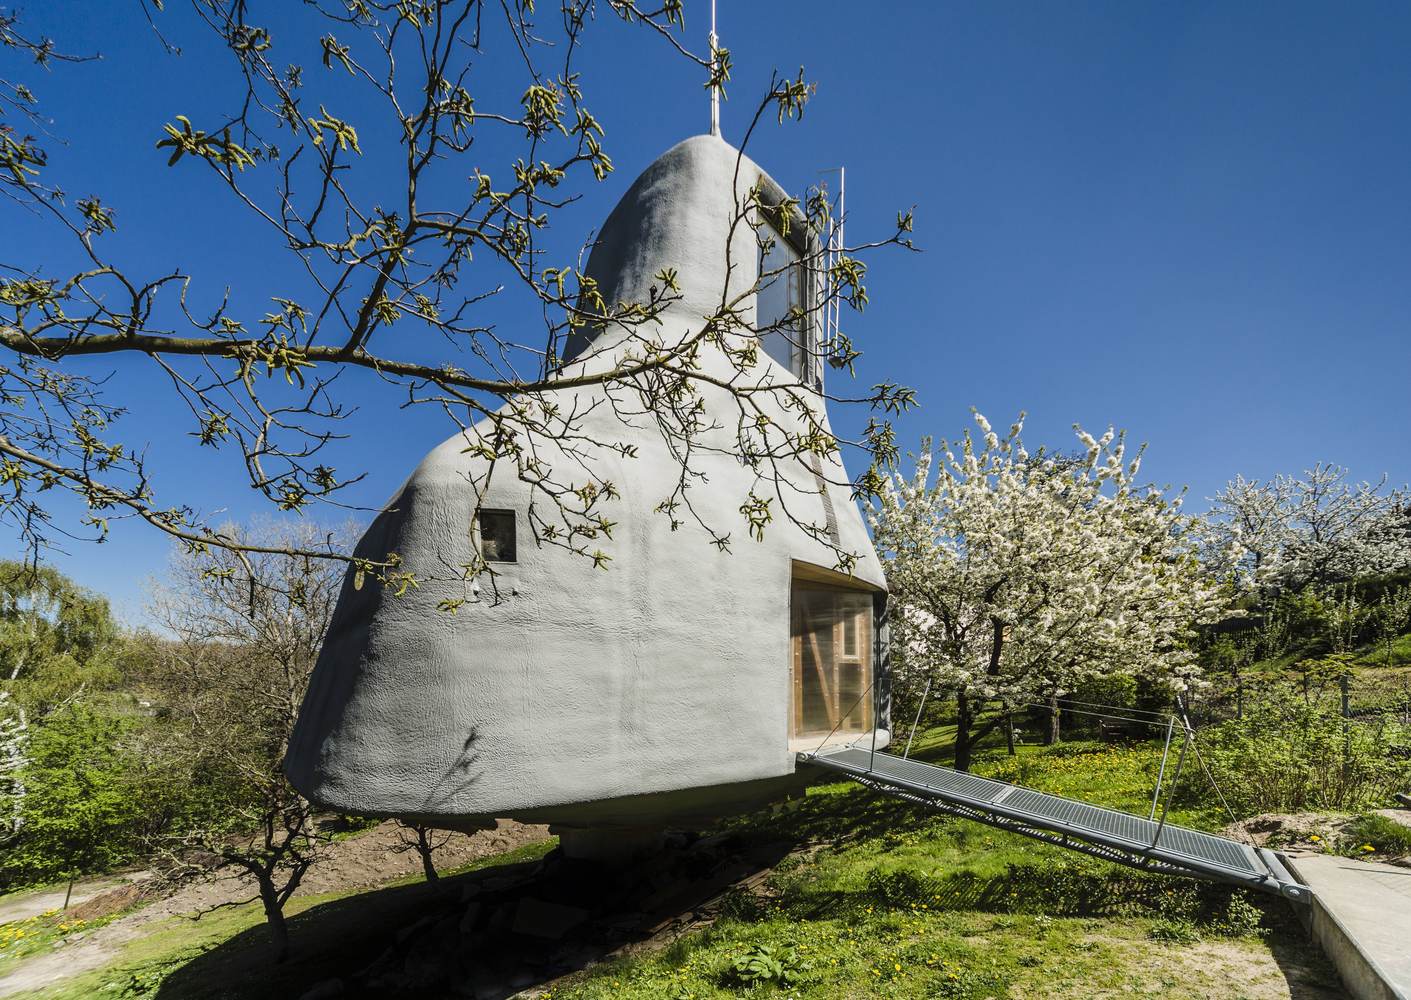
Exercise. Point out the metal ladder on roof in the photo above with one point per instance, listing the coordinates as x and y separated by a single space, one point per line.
1114 836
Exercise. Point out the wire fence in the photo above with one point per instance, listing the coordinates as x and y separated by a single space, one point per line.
1380 699
1295 740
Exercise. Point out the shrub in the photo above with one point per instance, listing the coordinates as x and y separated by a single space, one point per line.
1239 918
963 984
900 887
1089 698
1174 932
741 904
1382 834
764 963
1309 760
91 804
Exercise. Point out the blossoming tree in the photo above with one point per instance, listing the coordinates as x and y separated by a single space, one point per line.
1014 575
1319 528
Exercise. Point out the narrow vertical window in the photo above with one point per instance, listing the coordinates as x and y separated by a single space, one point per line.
782 290
497 541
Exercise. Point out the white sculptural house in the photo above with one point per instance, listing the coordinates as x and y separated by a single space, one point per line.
674 687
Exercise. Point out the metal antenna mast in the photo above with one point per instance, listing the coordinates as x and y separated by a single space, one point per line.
714 87
832 251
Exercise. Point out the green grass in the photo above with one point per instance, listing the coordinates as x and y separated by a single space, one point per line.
894 954
877 898
1370 658
886 899
1381 834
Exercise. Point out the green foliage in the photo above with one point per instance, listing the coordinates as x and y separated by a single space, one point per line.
1239 918
91 803
1174 932
1382 834
1236 917
742 905
764 963
1309 759
55 637
220 149
1119 690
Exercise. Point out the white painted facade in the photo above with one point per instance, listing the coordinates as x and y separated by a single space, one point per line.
658 690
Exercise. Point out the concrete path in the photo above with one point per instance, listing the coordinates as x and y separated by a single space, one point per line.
1362 918
22 905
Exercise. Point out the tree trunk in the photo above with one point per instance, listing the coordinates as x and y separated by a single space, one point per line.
1055 729
964 720
274 917
423 847
1009 731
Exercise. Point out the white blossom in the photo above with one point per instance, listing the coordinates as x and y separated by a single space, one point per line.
1015 576
14 735
1320 528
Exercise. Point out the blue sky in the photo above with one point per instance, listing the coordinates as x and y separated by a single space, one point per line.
1192 221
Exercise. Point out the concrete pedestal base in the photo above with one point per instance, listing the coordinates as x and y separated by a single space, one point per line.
608 845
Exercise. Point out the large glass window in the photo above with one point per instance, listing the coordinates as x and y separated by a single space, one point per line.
832 660
779 293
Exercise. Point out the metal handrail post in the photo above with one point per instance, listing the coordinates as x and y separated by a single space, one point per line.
1161 773
872 758
1175 780
917 721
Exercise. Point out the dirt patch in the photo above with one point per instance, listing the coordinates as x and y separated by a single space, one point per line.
1299 973
1282 971
1290 831
367 859
107 903
1402 816
22 905
373 858
1312 833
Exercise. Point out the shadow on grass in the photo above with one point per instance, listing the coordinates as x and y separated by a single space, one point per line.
486 933
351 939
327 941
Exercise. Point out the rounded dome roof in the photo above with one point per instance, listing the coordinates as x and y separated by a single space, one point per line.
679 214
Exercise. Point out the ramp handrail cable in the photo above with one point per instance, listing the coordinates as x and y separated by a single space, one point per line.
1124 713
1105 833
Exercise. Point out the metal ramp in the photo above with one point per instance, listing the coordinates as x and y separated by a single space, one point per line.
1104 833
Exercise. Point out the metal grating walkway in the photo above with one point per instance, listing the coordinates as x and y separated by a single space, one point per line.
1105 833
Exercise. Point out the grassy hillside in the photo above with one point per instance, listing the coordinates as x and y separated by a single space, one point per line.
874 898
884 899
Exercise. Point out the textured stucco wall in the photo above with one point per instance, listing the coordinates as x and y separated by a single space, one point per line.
656 689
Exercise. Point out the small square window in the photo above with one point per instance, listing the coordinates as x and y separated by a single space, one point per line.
497 542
